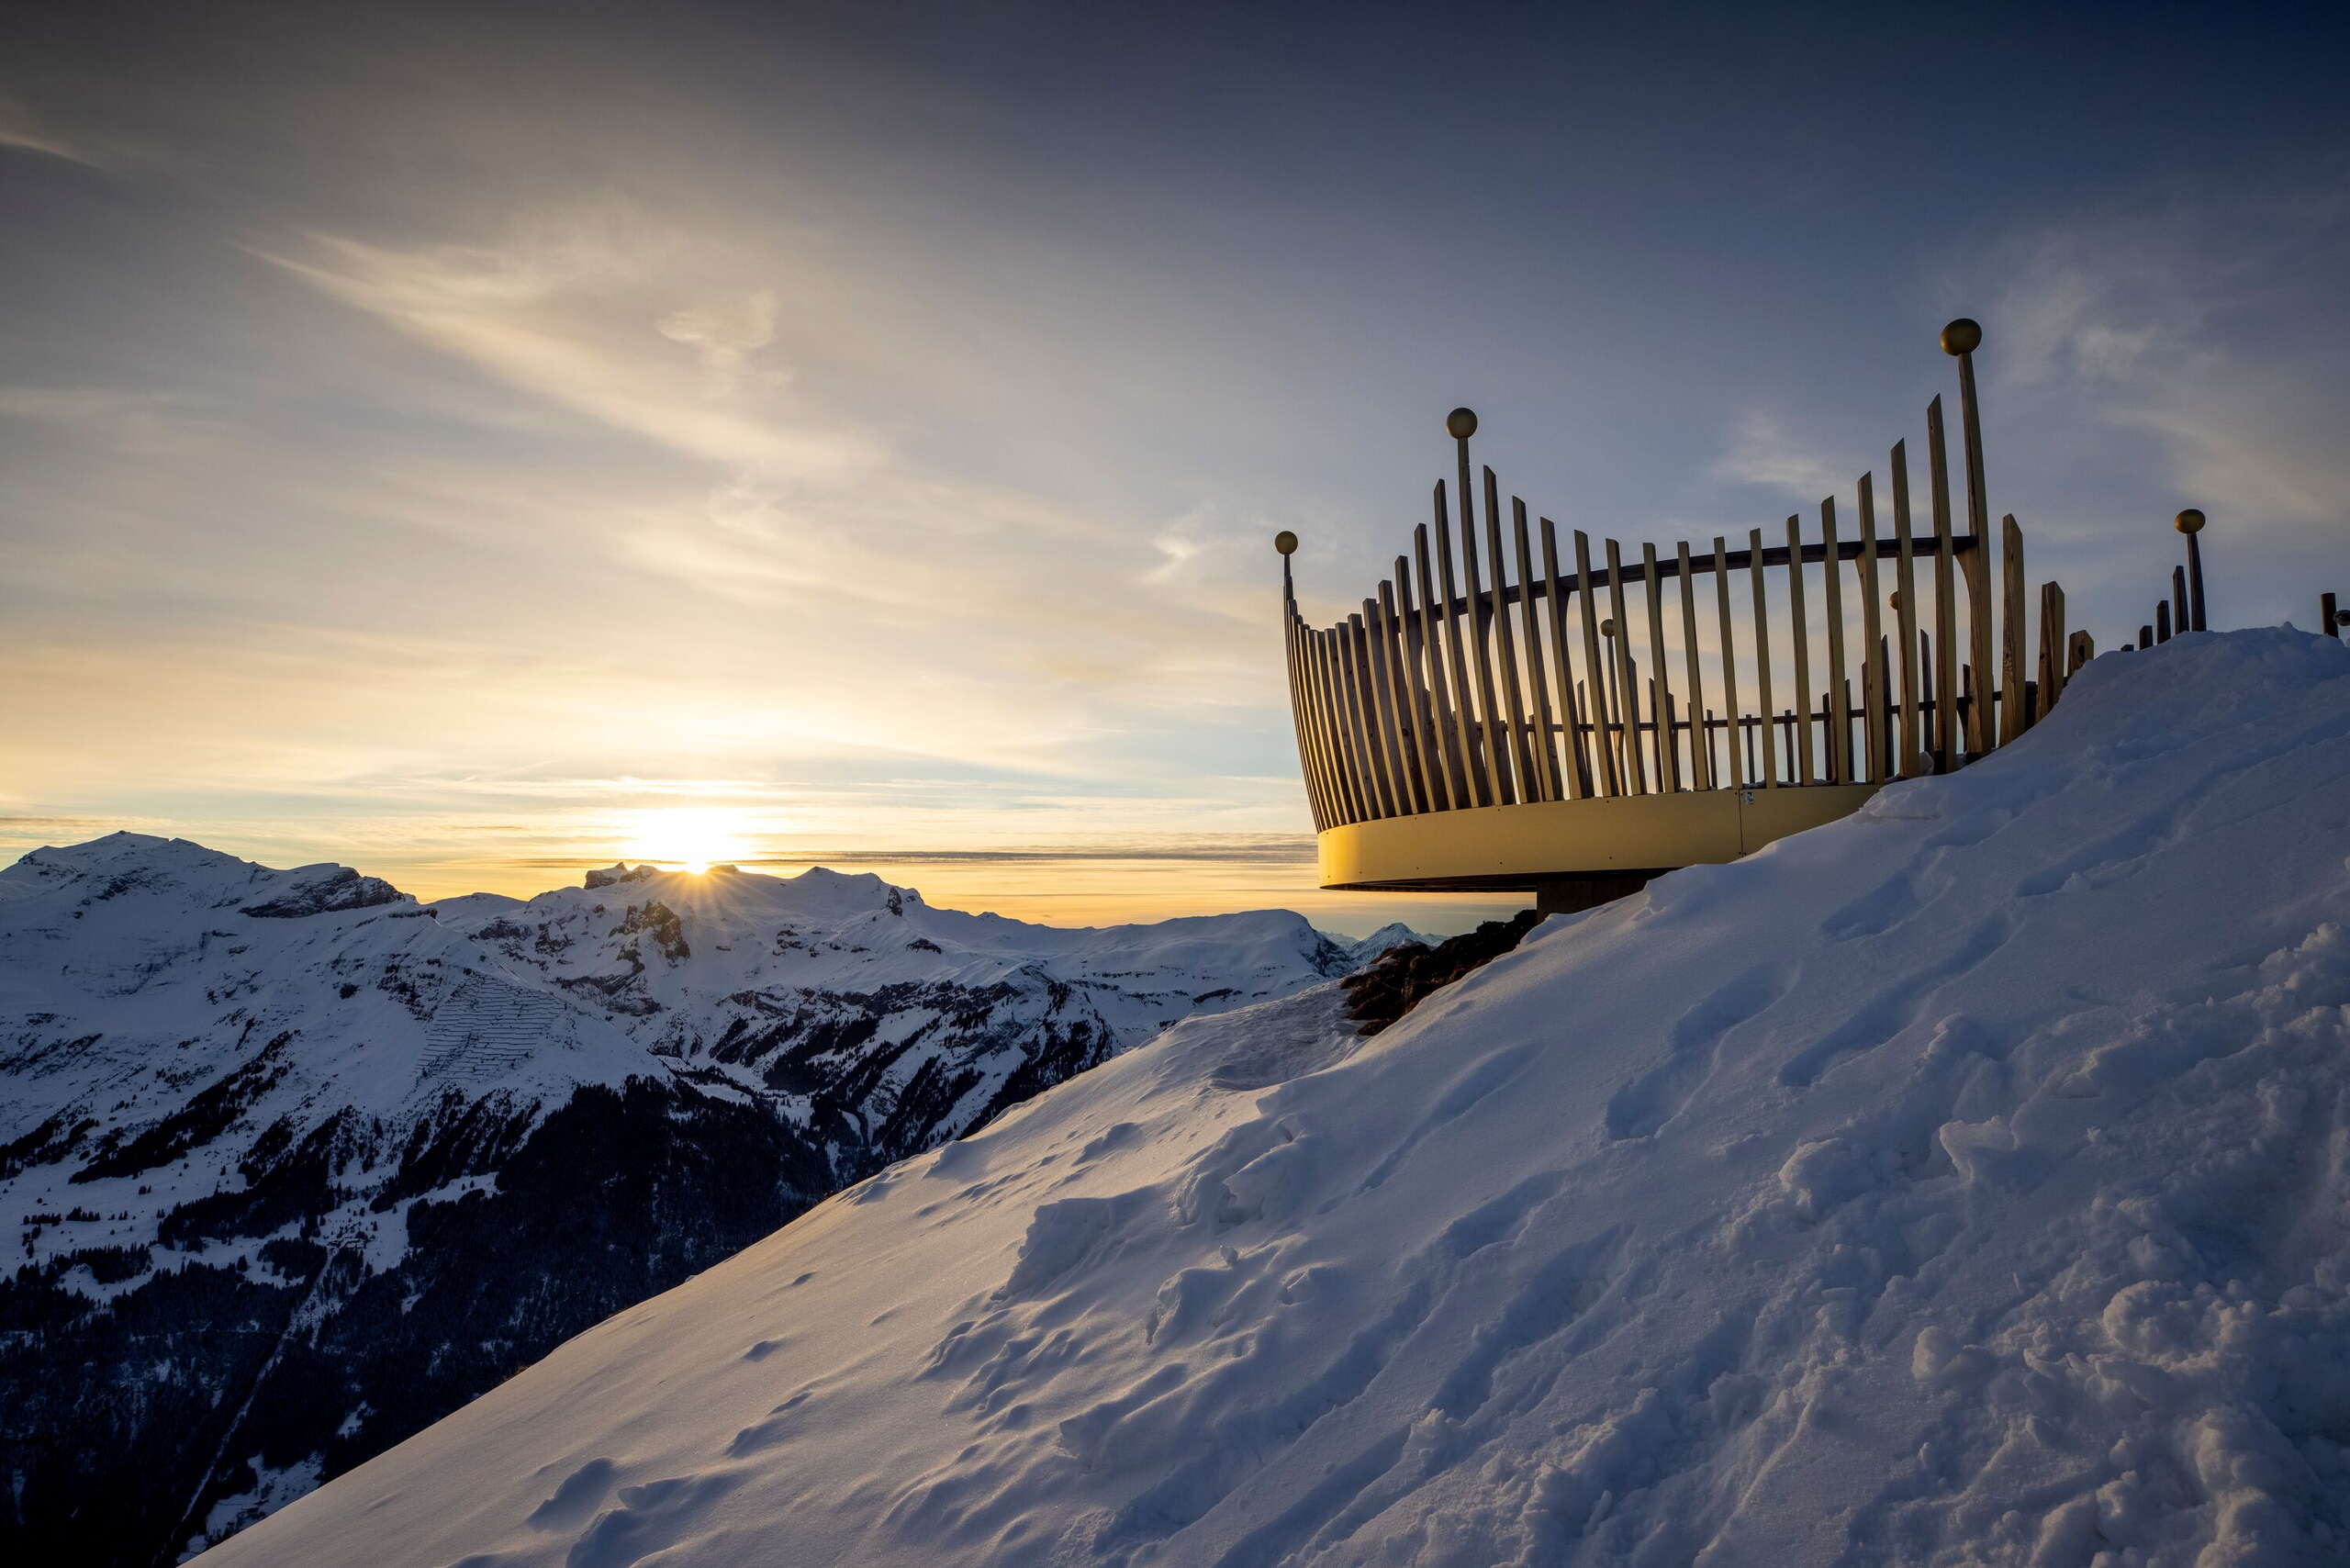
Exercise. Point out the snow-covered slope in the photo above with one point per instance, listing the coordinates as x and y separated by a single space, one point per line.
298 1165
1966 1182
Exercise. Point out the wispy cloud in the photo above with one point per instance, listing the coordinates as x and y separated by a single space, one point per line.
1761 452
20 132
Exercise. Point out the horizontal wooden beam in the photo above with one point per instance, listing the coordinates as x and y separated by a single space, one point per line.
1669 568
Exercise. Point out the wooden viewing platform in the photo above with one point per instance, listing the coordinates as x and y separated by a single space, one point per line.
1526 735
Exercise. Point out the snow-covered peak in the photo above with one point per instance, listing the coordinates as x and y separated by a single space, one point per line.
1396 934
173 871
1959 1181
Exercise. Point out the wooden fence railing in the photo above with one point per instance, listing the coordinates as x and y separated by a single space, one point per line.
1693 668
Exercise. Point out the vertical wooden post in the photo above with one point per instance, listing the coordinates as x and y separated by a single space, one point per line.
1668 750
1481 624
2179 609
1562 661
1905 591
1394 738
1701 747
1960 340
1925 697
1543 782
1443 714
1799 620
1512 690
1627 677
1297 702
2190 523
1975 563
2054 673
1351 717
1480 786
2162 620
1944 748
1354 666
2014 711
1427 763
1596 673
1350 801
1762 655
1839 729
1733 734
1403 692
1877 727
2328 617
1326 786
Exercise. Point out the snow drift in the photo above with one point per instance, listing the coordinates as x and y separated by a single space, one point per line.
1965 1181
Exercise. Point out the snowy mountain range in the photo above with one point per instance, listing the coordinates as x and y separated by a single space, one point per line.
300 1164
1967 1180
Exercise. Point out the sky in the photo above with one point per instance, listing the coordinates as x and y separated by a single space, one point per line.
477 442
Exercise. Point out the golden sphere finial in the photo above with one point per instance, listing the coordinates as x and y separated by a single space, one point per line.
2190 522
1460 424
1892 600
1285 541
1607 627
1962 336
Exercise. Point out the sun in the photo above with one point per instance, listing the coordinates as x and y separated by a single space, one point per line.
692 837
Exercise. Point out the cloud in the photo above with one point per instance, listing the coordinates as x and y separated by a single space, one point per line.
1762 453
19 133
558 308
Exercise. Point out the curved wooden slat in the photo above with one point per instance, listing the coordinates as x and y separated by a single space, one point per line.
1877 726
1627 679
1494 744
1481 783
1546 751
1603 716
1520 750
1701 750
1770 778
1571 718
1905 615
1441 712
1840 724
1667 750
1734 735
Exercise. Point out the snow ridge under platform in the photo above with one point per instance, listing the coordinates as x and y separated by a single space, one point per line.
1963 1181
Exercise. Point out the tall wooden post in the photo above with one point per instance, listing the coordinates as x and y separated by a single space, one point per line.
1739 774
1763 656
1569 710
1443 709
1799 621
1480 786
1905 607
1513 691
1960 340
2015 713
2190 523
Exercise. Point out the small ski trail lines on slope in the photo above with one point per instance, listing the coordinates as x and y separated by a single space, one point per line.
487 1028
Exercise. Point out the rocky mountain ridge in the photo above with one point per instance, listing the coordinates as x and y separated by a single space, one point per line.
297 1163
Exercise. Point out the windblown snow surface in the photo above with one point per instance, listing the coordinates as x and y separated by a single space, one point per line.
1962 1182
